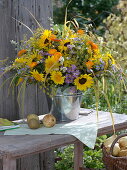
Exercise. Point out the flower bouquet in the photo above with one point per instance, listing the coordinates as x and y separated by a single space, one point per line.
62 58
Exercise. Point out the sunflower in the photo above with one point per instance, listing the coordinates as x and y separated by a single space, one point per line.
63 45
57 77
50 63
46 34
83 82
111 58
39 77
44 39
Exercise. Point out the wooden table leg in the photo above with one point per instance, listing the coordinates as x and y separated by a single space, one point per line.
78 155
9 163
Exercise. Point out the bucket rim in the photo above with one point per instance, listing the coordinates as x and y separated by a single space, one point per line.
66 94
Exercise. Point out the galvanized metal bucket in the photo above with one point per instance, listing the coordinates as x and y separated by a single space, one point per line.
66 105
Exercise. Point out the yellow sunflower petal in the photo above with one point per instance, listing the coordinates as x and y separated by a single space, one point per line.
57 77
38 76
83 82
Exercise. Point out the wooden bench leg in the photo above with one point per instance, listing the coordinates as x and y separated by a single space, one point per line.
78 155
9 164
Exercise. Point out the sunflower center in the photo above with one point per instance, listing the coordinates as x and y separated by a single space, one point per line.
46 41
67 43
82 80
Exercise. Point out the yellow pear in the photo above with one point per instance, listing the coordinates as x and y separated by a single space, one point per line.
123 141
32 116
49 120
109 140
33 124
123 153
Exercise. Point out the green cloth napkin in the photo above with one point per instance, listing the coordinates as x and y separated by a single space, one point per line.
82 129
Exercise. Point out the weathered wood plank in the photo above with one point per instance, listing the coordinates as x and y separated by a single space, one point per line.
12 30
47 164
1 164
9 163
30 162
8 104
16 147
78 155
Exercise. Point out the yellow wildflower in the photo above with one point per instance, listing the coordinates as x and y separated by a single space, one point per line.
20 60
111 58
20 80
57 77
68 63
46 34
39 57
38 76
50 63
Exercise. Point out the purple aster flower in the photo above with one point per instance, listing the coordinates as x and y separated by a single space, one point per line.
76 39
69 69
76 73
44 53
114 68
2 68
72 89
102 66
73 67
69 78
102 61
97 67
70 46
120 77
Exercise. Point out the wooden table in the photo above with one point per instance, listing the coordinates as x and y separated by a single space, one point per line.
13 147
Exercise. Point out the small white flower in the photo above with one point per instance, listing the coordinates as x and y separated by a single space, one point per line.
63 69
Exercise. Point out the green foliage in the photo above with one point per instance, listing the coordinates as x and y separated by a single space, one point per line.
85 11
116 34
67 159
116 96
92 158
